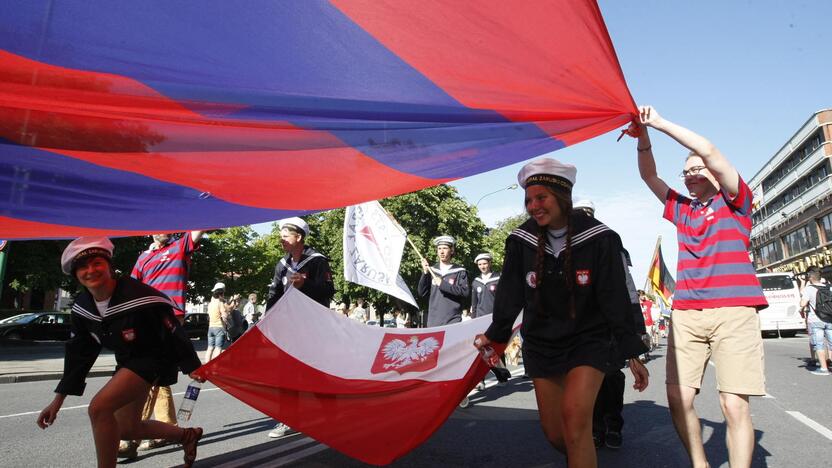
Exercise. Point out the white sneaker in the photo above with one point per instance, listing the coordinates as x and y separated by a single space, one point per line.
465 402
821 372
280 430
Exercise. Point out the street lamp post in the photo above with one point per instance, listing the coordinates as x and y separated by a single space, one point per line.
510 187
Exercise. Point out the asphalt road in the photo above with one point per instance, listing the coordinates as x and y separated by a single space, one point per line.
793 427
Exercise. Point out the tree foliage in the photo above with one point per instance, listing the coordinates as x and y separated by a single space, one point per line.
245 261
495 241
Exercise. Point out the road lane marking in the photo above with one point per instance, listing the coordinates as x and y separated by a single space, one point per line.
5 416
817 427
268 453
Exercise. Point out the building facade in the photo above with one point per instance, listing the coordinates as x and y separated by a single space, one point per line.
792 213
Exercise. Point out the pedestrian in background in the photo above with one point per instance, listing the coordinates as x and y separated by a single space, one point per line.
138 324
217 317
483 292
250 310
165 266
820 332
608 412
567 273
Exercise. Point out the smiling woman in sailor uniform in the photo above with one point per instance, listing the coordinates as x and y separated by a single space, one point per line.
137 323
568 273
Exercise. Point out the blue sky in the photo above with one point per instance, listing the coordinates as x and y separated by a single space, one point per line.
745 74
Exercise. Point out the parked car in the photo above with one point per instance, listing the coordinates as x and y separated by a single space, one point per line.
196 325
387 323
15 318
53 326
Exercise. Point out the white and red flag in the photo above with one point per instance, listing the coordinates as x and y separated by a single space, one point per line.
373 246
371 393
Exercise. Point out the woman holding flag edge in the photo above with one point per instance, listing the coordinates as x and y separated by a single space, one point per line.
567 273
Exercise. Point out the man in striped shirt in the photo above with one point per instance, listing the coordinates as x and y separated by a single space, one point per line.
165 266
716 289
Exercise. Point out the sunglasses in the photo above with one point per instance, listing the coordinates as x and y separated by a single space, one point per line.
695 171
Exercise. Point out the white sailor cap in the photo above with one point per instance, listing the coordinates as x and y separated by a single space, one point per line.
84 247
585 204
549 172
483 256
218 286
444 240
296 223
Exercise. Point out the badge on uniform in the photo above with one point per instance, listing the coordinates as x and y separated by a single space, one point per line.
531 279
492 287
582 277
168 323
479 289
451 281
128 334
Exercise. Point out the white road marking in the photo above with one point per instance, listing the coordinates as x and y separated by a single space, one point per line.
83 406
817 427
268 453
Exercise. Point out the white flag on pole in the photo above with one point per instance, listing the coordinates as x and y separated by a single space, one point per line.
373 246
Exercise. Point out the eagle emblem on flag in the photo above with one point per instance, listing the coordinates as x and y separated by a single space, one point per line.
408 353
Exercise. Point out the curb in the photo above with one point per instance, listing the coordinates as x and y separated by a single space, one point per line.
8 379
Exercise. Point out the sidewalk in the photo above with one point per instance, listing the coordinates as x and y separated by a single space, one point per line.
44 360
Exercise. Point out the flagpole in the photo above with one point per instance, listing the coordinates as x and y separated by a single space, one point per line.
406 236
652 262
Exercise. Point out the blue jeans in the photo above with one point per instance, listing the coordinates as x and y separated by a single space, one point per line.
216 337
818 330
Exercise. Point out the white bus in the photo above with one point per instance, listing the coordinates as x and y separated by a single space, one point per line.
783 311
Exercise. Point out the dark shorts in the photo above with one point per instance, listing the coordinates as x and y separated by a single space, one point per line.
543 362
151 370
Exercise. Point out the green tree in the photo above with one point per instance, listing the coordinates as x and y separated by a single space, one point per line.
33 267
495 241
425 215
232 256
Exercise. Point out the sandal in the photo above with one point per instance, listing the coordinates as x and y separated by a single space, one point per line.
190 438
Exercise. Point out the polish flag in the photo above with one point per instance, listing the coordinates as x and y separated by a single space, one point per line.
371 393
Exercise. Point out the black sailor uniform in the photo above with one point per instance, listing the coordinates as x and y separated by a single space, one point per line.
483 292
445 303
318 282
602 331
138 326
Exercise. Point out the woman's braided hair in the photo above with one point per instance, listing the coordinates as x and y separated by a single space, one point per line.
564 202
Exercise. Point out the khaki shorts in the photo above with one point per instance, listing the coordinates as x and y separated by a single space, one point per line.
730 336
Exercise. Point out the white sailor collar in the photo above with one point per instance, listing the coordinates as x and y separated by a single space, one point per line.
585 229
495 276
453 270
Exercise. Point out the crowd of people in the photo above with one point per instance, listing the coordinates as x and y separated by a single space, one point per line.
563 268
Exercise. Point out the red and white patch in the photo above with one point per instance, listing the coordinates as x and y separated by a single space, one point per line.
168 323
531 279
417 352
128 334
451 281
327 276
583 278
492 287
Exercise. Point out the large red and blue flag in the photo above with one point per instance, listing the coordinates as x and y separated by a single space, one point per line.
127 117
